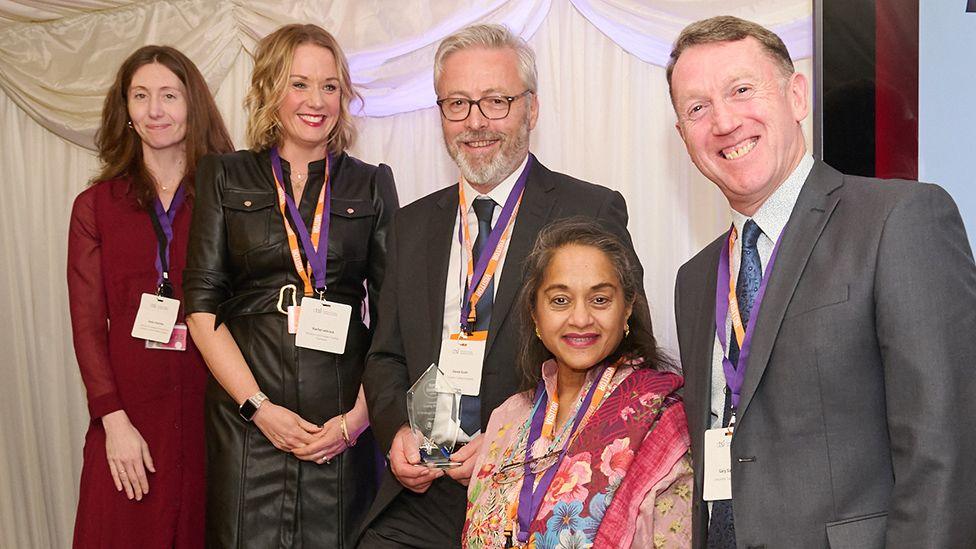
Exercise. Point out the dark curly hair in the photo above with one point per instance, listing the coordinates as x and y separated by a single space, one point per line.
640 345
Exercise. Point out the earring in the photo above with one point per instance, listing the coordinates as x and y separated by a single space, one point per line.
129 123
537 334
626 329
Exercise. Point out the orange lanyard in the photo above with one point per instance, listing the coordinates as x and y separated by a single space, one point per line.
738 328
469 248
304 272
549 424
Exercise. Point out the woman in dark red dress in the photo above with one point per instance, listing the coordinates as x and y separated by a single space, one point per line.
142 482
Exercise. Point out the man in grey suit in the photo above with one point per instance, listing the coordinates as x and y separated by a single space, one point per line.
833 326
485 79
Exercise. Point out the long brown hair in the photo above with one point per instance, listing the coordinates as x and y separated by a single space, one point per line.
640 344
272 65
119 146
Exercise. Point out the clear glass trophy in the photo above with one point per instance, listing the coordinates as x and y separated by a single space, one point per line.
434 411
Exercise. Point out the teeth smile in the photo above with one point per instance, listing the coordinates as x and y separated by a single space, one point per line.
479 144
313 118
740 149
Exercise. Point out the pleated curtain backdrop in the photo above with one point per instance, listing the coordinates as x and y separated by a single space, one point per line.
605 116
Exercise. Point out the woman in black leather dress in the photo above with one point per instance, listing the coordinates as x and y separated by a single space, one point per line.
290 460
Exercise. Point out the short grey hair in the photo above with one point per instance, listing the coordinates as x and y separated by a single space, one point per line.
489 36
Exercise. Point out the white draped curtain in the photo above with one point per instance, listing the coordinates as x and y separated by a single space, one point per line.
605 117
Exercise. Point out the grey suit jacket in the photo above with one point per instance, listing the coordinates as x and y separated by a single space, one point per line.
857 421
408 337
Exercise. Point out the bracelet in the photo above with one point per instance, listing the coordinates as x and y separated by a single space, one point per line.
345 431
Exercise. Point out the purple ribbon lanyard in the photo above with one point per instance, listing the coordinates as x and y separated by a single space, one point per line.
316 258
734 376
530 496
163 222
494 237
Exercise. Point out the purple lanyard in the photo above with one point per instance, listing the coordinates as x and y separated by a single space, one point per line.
530 496
493 238
734 376
316 258
163 226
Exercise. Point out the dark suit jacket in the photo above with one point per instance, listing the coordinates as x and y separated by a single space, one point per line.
858 411
408 337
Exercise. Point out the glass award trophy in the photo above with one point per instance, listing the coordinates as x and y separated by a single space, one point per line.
434 411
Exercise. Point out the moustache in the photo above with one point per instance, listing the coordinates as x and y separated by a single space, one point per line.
473 135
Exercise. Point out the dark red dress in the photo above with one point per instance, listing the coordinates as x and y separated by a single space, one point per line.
111 256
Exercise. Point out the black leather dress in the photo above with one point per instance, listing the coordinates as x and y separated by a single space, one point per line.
238 260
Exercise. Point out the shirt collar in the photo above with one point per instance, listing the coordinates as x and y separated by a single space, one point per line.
501 191
549 370
776 210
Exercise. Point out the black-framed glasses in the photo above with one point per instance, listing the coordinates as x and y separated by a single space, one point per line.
492 107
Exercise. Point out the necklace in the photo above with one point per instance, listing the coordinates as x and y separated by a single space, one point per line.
299 177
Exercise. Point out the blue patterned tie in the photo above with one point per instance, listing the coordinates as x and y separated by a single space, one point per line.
721 528
484 208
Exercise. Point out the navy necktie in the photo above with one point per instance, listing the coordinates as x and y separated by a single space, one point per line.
484 208
721 528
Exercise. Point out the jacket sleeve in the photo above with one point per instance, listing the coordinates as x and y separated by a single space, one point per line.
206 282
385 204
925 311
385 379
89 308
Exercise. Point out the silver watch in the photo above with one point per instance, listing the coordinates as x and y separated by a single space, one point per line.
251 405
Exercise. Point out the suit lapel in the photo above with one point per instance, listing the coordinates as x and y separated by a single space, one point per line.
440 231
699 370
810 215
537 203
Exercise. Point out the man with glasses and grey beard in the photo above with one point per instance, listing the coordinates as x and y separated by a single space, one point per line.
455 267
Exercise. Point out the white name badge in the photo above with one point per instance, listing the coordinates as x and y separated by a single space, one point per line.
461 361
323 325
156 318
718 464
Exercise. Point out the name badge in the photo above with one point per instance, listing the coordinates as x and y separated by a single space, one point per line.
323 325
461 361
718 464
177 342
294 313
155 318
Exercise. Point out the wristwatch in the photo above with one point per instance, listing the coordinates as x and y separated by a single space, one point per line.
251 405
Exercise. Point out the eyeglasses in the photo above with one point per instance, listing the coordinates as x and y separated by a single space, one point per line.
515 471
492 107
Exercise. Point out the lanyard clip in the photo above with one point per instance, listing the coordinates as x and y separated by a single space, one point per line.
321 292
281 297
165 288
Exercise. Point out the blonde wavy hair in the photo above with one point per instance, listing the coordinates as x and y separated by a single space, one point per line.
269 80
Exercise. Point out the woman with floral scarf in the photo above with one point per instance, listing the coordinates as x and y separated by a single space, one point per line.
594 451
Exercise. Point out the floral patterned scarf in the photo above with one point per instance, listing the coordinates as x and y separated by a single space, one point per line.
596 486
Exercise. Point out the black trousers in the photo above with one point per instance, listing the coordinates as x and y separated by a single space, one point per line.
432 520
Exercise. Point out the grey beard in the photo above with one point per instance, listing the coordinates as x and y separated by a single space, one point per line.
498 168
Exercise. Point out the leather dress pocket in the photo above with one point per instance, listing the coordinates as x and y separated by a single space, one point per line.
247 216
352 225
